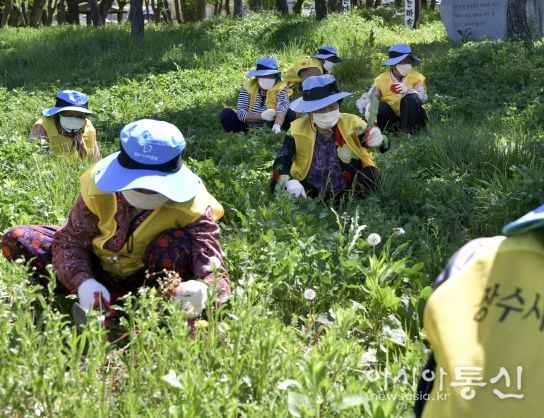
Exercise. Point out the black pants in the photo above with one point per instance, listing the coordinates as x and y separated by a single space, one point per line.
364 184
412 114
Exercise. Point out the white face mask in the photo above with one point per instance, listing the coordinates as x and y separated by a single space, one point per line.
143 200
70 123
327 65
266 83
404 69
326 120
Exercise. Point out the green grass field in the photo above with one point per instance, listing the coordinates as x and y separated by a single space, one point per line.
477 166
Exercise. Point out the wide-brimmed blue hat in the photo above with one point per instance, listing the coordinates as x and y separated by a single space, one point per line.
265 66
69 100
318 92
151 159
531 220
398 52
327 52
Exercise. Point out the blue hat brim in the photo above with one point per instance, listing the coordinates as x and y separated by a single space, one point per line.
531 220
300 105
258 73
54 110
396 60
180 186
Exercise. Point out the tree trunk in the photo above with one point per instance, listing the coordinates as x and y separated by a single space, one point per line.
424 4
417 18
51 7
335 6
95 13
281 7
297 8
517 19
104 7
398 3
256 6
227 7
433 5
237 12
320 9
166 11
24 13
136 17
157 10
177 10
73 12
121 5
377 3
61 12
8 4
369 4
36 13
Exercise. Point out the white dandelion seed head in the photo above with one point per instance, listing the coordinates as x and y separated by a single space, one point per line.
373 239
309 294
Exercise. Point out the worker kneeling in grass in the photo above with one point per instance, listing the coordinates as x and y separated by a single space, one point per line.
138 209
326 152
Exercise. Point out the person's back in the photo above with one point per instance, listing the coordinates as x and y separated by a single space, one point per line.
485 324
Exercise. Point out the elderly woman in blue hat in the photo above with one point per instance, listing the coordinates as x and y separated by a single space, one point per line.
66 128
402 92
486 314
326 152
139 210
318 64
263 101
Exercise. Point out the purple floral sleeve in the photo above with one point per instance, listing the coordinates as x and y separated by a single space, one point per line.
205 237
72 247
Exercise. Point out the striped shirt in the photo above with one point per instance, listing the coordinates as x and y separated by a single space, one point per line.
242 107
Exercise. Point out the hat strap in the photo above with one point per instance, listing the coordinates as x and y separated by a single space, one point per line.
395 54
172 166
264 67
318 93
64 103
325 51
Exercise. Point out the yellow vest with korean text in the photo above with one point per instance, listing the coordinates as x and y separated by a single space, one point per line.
64 145
252 87
384 83
167 216
303 132
292 77
485 325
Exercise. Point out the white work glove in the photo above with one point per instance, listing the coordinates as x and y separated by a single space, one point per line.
367 112
90 292
276 128
192 296
399 88
363 102
268 115
295 188
373 138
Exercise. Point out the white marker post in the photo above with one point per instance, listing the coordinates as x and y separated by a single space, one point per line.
410 13
346 6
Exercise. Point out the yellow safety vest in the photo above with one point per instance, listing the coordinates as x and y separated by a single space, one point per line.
64 145
303 132
384 83
291 75
252 87
167 216
485 322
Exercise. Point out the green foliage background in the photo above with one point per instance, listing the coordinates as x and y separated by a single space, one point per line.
477 166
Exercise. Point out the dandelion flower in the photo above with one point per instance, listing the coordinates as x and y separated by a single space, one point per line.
399 231
374 239
309 294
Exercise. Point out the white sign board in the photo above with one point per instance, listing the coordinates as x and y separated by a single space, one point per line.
346 5
410 13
